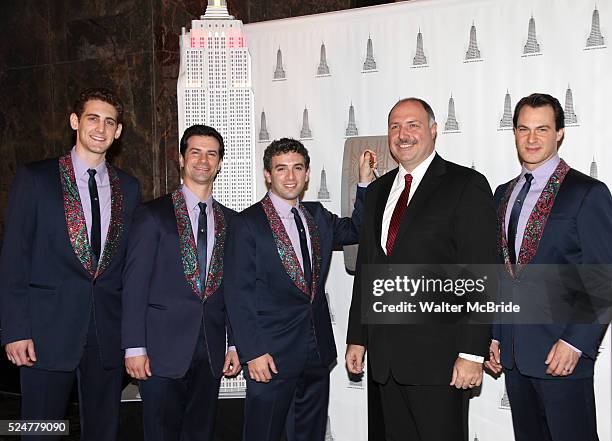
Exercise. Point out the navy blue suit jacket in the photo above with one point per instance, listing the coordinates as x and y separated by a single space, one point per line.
268 312
160 310
47 294
578 232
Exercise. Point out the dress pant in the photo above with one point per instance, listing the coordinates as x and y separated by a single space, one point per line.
298 403
182 409
424 413
45 394
551 409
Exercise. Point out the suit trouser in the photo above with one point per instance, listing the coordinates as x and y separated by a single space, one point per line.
551 409
182 408
299 402
424 413
45 394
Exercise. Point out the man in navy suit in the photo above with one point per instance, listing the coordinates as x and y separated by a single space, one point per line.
551 215
60 273
174 321
276 266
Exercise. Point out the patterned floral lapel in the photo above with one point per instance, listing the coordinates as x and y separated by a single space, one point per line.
215 269
75 218
285 249
535 223
187 245
115 228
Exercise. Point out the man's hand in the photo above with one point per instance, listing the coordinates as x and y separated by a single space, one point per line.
494 361
138 367
21 352
260 367
354 358
232 365
367 164
561 360
466 374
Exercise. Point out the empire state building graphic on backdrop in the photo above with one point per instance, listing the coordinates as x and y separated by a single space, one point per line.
214 88
595 39
532 47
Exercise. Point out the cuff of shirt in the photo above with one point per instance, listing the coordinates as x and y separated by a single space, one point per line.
471 357
573 347
135 352
363 184
231 348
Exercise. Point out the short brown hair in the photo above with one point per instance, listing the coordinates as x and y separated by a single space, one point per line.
100 94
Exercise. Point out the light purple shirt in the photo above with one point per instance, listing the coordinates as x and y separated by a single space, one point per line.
192 201
283 208
104 194
541 175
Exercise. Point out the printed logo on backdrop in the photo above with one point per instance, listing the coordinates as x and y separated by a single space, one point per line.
571 120
305 132
351 129
593 171
451 125
323 68
264 136
504 402
323 195
532 47
595 40
369 65
419 60
233 387
279 71
472 55
505 123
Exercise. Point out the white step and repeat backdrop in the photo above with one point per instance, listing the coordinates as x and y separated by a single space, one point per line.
485 54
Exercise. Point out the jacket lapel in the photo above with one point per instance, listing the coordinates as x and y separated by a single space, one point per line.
75 218
215 269
115 228
428 185
501 222
285 249
187 245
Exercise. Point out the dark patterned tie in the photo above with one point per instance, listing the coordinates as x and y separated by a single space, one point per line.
202 244
398 213
514 217
96 229
303 246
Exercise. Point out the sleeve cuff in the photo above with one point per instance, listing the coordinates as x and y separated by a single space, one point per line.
135 352
231 348
471 357
573 347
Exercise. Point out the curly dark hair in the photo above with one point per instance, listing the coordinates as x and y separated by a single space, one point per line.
284 145
101 94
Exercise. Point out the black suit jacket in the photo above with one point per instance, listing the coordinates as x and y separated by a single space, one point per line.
47 293
449 220
161 310
269 313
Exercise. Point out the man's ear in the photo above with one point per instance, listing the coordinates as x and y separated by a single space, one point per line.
74 121
267 176
118 131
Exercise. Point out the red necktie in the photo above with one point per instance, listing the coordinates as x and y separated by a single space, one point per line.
398 213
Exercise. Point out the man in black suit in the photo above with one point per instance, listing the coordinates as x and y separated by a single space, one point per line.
60 273
276 265
174 321
426 211
555 231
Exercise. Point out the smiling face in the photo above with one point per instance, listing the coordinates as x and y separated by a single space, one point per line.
535 135
411 140
201 161
96 128
288 176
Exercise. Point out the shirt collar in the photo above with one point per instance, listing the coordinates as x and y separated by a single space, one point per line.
544 171
81 167
283 208
418 172
192 200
